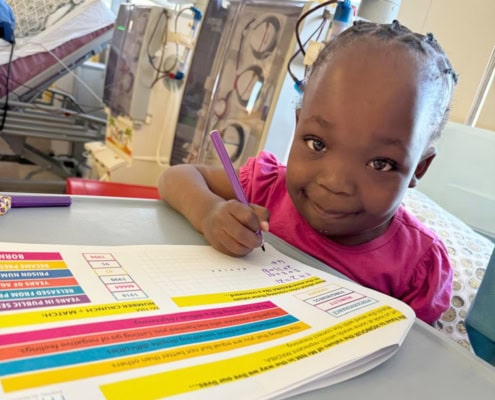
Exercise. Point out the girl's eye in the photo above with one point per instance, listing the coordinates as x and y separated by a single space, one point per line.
382 164
315 144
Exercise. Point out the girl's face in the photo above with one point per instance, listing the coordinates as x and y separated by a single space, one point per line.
359 139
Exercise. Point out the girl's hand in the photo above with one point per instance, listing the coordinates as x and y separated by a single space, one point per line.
231 227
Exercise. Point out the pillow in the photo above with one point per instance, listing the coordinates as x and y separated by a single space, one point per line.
34 16
469 253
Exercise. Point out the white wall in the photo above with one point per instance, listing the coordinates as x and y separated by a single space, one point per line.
461 177
466 30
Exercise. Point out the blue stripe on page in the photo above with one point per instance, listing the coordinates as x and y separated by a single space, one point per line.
35 274
138 347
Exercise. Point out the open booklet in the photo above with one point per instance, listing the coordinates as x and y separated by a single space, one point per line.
148 322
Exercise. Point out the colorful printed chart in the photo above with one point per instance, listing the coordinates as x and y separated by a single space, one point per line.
34 280
121 321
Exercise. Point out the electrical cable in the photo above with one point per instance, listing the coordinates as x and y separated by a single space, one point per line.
260 54
319 30
88 109
70 71
322 25
303 16
241 42
7 85
274 22
165 73
220 113
256 76
164 42
298 82
7 28
239 144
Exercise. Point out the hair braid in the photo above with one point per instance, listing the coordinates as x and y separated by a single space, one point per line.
434 61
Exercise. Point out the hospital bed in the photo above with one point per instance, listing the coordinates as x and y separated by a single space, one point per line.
53 37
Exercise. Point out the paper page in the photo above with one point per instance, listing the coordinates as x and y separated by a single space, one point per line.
149 322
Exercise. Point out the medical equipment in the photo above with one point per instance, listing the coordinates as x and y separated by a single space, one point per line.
147 65
382 11
212 65
53 37
235 81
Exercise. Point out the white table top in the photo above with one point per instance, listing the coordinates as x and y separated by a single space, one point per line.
429 365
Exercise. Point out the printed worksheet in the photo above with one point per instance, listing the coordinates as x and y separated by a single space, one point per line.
158 321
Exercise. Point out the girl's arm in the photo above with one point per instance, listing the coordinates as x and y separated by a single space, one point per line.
205 197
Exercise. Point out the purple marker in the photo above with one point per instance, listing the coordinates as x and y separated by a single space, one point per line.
40 201
230 171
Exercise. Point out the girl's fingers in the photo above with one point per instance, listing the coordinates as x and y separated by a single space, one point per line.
265 226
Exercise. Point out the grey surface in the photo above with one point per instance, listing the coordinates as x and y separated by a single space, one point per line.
427 366
98 221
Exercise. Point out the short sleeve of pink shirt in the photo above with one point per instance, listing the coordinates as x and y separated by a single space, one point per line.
408 261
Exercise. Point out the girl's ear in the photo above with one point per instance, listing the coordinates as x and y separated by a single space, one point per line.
423 166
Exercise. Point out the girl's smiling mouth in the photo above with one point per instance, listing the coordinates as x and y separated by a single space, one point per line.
330 213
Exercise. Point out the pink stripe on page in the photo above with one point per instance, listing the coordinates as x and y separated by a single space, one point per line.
131 323
29 256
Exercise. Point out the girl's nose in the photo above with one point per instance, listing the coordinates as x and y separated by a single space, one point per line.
337 177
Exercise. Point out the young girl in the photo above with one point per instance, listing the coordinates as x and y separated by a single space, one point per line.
375 101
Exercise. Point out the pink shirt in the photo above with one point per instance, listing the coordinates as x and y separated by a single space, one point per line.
408 261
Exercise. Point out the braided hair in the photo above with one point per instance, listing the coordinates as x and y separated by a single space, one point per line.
434 61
